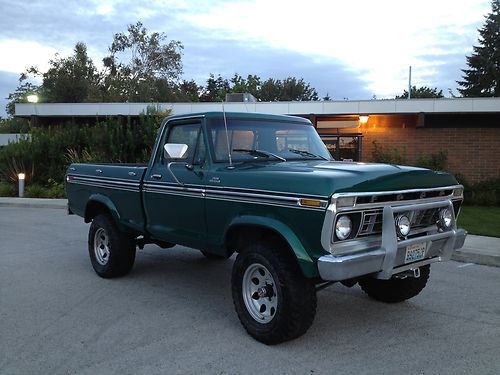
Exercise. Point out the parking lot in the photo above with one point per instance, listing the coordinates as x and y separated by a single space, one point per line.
174 314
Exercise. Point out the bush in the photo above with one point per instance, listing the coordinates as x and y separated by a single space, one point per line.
49 151
484 193
393 156
14 125
35 191
436 162
7 190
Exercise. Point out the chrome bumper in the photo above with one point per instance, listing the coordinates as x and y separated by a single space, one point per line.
384 261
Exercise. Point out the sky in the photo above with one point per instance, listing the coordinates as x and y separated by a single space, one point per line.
350 49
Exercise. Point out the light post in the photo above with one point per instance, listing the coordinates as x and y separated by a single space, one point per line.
21 177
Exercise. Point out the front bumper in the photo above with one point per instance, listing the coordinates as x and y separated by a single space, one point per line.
388 259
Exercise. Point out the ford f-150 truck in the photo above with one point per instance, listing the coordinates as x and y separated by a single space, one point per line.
265 187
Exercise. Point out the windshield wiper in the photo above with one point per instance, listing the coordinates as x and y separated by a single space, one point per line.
306 153
258 153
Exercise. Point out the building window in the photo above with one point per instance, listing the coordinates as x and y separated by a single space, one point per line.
344 147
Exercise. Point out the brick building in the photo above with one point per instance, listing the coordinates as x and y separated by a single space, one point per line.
467 129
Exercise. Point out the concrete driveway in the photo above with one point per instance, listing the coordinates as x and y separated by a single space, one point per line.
174 314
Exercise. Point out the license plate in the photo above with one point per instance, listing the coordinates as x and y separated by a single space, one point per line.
415 252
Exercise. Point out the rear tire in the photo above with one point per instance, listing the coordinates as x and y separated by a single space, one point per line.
395 290
112 253
272 298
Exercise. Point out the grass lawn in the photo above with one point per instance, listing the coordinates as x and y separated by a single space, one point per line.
481 220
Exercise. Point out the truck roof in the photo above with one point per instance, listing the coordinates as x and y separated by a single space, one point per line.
261 116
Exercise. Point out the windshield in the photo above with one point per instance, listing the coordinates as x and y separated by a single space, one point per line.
255 139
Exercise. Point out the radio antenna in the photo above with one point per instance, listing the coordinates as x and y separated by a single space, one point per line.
227 137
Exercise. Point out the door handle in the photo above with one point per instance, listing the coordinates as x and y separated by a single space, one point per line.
156 176
132 174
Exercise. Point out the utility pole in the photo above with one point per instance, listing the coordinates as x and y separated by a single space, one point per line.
409 84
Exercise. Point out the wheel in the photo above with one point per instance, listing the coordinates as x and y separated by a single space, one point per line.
212 256
272 298
112 252
394 289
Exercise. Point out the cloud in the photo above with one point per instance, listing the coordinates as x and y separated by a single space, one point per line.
8 83
23 54
382 38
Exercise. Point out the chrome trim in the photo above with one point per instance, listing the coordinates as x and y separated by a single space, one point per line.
409 191
232 196
332 210
164 128
338 268
270 192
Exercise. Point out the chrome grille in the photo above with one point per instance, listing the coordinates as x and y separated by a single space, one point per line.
371 222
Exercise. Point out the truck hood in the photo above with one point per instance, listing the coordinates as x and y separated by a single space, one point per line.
324 178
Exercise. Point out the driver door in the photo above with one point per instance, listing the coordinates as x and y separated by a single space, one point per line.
174 199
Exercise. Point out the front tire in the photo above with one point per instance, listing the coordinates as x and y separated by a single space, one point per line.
112 253
272 298
396 290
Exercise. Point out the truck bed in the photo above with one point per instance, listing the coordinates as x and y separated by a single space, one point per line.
122 182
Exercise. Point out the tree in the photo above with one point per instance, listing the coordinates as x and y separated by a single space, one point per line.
422 93
24 88
251 84
138 60
289 89
482 78
215 90
74 79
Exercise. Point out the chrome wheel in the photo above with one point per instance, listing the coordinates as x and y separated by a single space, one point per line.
259 293
101 246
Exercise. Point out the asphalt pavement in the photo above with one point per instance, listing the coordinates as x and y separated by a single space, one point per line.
173 314
477 249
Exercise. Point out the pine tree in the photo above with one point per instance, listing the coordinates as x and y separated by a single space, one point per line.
482 78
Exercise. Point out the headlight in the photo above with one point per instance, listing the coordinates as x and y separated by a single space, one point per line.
343 227
403 225
445 218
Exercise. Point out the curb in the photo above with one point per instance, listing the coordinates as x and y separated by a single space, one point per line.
479 250
34 203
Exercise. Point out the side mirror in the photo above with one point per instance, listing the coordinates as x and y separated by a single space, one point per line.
175 151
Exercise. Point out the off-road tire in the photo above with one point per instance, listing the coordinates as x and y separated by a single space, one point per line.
296 295
118 249
395 290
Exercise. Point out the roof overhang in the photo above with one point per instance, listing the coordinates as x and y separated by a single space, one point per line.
350 107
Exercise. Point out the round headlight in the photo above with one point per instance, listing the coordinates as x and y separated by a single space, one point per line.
403 225
445 218
343 227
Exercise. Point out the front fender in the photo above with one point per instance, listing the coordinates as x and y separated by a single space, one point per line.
306 264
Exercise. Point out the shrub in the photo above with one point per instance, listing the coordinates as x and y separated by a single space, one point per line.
49 151
391 156
484 193
35 191
436 162
7 190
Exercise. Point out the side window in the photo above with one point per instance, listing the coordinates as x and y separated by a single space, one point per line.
191 135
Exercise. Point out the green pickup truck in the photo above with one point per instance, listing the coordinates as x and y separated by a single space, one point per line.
265 187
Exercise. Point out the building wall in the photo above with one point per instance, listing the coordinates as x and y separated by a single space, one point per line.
472 152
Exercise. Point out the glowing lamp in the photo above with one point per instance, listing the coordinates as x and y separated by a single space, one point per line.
32 98
363 119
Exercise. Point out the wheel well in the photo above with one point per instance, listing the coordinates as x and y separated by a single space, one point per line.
95 208
240 236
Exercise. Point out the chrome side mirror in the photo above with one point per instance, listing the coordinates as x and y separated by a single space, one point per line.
175 151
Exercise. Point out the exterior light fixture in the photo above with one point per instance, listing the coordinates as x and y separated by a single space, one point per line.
363 119
21 177
32 98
